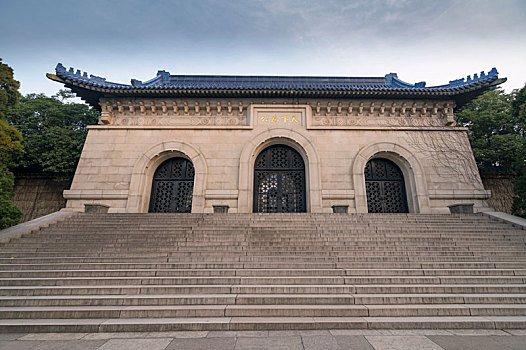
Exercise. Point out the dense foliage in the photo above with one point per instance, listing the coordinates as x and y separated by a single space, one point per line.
10 150
10 147
54 132
518 109
497 130
9 94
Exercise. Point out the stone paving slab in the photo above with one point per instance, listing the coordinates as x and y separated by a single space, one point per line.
201 343
410 339
139 344
278 343
479 342
396 342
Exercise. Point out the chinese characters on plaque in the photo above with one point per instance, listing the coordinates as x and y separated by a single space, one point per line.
280 119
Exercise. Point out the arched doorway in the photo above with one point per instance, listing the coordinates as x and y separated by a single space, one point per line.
172 187
385 187
279 181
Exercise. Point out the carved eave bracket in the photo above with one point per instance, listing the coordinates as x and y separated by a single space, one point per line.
106 115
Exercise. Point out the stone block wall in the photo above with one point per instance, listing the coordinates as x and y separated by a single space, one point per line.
37 196
501 188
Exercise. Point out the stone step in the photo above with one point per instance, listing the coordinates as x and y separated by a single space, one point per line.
324 225
343 242
258 323
14 264
271 225
346 245
58 251
275 248
261 311
262 289
261 256
165 272
259 299
271 280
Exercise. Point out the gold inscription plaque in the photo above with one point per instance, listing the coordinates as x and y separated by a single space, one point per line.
284 116
280 119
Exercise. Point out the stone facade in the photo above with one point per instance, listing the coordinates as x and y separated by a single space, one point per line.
222 138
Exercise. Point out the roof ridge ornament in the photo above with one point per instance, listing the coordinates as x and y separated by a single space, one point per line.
60 69
491 74
389 78
392 79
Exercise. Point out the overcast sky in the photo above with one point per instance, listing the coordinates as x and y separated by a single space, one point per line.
432 41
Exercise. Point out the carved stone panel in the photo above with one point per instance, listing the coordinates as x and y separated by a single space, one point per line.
173 112
386 113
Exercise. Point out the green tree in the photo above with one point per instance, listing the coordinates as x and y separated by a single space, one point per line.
497 126
10 147
54 132
10 150
518 111
9 94
495 134
518 107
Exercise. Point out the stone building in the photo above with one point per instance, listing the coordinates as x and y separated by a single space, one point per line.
246 144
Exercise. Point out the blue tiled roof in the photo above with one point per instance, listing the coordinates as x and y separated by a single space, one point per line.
165 81
92 88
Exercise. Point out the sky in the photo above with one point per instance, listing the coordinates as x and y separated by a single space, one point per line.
426 40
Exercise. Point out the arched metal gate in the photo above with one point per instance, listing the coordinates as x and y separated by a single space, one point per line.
172 187
279 181
385 187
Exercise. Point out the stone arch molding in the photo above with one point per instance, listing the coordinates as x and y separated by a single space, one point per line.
414 176
290 138
143 171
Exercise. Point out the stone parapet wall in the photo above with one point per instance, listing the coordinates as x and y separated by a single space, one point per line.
502 194
37 196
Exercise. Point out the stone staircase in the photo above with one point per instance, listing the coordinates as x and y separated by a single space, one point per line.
161 272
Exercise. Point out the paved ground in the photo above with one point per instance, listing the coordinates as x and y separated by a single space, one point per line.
286 340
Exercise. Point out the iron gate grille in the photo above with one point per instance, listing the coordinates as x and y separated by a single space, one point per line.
279 181
172 187
384 184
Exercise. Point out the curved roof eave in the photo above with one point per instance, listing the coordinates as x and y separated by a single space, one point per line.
92 88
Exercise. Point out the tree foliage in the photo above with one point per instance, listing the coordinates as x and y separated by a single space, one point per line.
518 110
54 132
497 130
9 94
10 151
496 135
10 147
